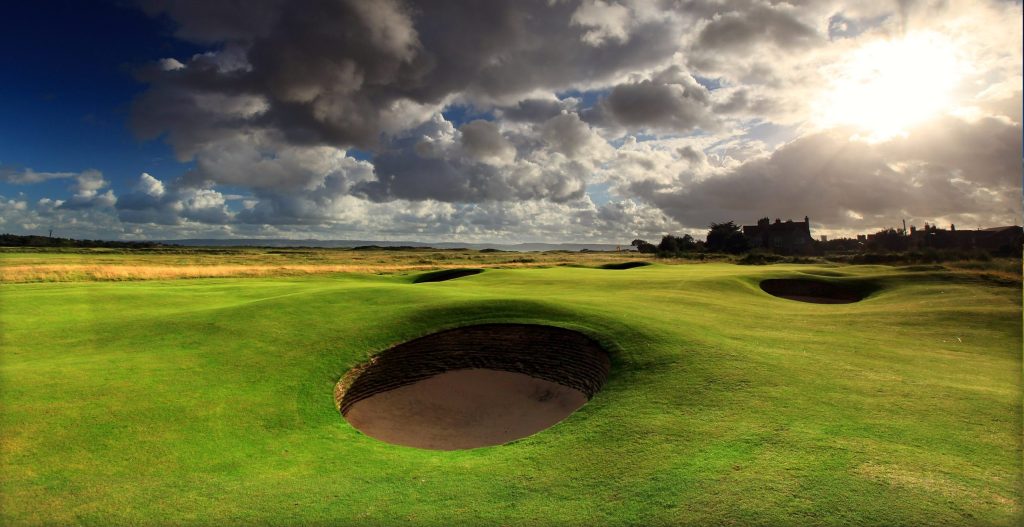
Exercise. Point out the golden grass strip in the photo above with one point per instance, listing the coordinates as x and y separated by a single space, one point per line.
118 272
84 272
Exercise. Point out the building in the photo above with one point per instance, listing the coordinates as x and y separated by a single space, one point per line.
997 239
789 237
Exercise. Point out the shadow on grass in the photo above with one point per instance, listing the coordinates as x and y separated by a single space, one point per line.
445 274
625 265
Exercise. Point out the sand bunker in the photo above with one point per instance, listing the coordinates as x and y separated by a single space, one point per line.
445 274
474 386
813 291
625 265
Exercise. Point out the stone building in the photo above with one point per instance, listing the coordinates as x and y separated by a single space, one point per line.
789 237
996 239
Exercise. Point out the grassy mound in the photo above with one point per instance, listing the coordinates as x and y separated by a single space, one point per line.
209 402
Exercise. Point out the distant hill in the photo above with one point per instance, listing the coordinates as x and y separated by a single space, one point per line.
283 242
13 240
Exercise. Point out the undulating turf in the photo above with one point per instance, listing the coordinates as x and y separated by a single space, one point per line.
209 401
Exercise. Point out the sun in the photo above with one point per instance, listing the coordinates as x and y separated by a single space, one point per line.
886 87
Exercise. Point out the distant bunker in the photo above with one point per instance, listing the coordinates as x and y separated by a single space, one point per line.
813 291
625 265
474 386
445 274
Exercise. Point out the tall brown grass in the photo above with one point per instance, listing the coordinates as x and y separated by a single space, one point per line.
113 272
42 266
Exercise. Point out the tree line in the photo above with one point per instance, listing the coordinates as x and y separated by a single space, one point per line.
15 240
724 237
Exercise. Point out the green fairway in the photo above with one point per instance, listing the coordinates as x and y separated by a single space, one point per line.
209 401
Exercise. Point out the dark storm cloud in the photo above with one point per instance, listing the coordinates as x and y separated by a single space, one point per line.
483 140
533 110
328 70
672 100
987 151
692 155
136 207
407 172
742 102
287 87
567 135
760 24
835 180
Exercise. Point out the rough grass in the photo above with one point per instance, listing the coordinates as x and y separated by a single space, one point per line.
82 272
209 402
67 265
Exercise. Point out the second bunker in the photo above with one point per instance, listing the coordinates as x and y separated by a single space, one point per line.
813 291
473 386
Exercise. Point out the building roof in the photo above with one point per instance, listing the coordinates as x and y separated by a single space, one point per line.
1001 229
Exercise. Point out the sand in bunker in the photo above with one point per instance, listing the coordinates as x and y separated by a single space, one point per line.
465 408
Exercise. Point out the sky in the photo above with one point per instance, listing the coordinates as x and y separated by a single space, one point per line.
506 120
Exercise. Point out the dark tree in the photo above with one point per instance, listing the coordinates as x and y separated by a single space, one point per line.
726 238
14 240
673 245
644 246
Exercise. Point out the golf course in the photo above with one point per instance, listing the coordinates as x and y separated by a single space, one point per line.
212 401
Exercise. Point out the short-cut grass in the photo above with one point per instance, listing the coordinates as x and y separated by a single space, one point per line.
209 401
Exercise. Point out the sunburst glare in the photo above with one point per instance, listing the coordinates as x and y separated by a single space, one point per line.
886 87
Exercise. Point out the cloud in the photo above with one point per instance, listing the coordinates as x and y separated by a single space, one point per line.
851 184
30 177
566 134
536 110
87 193
150 186
152 201
317 84
435 161
482 140
604 21
264 161
672 101
85 185
316 117
184 212
739 31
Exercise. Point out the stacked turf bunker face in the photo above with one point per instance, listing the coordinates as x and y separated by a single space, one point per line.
473 386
